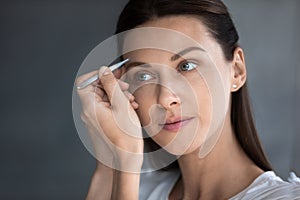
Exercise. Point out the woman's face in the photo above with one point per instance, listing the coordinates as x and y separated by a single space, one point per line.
174 89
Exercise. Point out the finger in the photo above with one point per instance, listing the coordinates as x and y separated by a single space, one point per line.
104 101
88 89
135 105
112 88
100 92
129 96
123 85
84 77
86 94
96 83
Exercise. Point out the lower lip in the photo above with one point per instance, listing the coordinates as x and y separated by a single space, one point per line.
174 127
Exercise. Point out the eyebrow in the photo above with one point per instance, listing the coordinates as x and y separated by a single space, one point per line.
173 58
134 64
185 51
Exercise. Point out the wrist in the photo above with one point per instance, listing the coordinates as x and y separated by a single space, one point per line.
128 162
100 167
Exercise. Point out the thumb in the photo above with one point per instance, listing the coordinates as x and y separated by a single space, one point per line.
111 86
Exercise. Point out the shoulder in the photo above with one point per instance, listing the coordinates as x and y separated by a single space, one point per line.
270 186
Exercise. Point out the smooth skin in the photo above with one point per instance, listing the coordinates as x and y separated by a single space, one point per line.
97 114
223 173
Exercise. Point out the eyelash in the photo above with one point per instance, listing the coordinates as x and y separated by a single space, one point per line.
142 73
145 73
194 65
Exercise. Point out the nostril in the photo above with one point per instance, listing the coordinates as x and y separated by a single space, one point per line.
167 98
173 103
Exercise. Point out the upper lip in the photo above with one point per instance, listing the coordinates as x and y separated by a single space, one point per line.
173 120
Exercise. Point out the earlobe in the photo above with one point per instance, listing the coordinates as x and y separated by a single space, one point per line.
239 72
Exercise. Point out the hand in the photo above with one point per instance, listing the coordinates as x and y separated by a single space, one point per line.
109 115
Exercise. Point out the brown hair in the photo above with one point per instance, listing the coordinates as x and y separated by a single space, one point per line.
214 14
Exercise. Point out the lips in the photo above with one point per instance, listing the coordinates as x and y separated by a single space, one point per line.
175 124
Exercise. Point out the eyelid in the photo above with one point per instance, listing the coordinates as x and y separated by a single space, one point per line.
144 72
185 61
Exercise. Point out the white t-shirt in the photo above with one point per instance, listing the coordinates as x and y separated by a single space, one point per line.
157 185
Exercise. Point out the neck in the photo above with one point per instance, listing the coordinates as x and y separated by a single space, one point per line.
223 173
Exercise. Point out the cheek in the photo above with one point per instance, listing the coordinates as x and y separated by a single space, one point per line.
202 95
145 97
226 74
204 104
201 106
204 108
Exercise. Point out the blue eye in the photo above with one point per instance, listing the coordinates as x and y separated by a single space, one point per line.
187 66
143 76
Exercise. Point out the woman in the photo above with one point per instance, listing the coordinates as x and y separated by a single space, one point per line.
170 96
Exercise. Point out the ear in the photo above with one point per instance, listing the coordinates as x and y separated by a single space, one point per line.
238 72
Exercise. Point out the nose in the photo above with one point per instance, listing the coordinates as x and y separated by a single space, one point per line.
167 99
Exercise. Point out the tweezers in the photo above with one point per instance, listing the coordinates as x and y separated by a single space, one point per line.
96 77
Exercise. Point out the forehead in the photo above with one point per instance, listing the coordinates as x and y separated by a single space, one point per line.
188 25
171 34
163 56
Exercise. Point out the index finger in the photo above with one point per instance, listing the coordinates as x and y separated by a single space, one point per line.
112 88
84 77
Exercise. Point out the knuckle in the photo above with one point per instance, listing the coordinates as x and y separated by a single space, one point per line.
108 80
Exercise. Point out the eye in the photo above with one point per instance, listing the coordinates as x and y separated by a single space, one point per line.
143 76
187 66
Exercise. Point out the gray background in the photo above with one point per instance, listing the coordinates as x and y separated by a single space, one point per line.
42 44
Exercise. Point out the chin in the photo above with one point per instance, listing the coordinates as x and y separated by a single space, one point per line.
179 148
182 142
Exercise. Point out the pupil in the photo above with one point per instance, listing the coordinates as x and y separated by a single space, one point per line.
143 77
186 67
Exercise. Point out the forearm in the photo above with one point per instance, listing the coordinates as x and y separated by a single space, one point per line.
125 186
108 183
108 121
101 183
126 182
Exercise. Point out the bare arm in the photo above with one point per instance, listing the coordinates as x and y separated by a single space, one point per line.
101 183
125 186
115 131
108 183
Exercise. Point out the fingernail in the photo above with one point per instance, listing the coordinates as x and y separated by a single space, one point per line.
106 72
102 70
135 105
